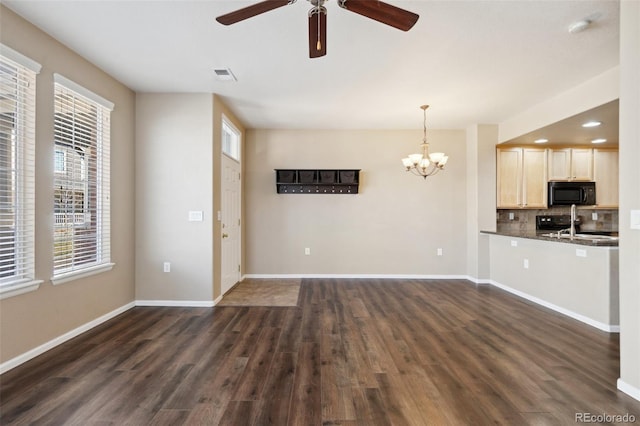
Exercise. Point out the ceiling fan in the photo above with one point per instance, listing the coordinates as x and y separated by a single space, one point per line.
373 9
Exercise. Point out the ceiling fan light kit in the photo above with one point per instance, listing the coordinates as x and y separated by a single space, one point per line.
372 9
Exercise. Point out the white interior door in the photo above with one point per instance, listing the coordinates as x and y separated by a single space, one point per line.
230 218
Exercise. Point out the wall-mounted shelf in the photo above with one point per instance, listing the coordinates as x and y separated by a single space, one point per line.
317 181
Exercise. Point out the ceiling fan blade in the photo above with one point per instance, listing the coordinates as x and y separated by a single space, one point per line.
382 12
251 11
317 34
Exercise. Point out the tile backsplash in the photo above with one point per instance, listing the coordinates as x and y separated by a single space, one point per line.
525 220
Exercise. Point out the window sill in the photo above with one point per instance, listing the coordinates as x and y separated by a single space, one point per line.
87 272
19 288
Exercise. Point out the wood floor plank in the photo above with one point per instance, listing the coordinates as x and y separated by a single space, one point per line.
251 383
274 407
353 352
169 418
305 406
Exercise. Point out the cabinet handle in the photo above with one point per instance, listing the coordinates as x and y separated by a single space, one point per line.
225 235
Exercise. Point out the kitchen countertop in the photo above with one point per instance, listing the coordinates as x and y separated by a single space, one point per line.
538 236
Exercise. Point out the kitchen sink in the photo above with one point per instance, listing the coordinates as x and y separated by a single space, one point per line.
583 237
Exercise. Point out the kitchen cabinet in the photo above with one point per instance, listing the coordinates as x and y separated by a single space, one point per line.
605 174
521 178
571 164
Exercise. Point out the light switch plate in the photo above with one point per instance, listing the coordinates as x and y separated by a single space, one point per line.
581 253
635 219
514 243
195 216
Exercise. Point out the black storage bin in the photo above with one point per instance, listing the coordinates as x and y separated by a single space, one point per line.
286 176
327 176
348 176
306 176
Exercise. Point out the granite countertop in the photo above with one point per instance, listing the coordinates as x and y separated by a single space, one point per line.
591 240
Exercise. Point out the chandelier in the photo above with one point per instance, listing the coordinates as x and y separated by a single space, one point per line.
425 164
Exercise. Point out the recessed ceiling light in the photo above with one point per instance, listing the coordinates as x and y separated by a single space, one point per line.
541 140
582 25
591 124
599 140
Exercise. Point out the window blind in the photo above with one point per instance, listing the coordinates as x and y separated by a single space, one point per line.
81 181
17 170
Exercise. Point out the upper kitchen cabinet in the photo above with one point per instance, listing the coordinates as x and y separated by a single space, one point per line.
521 178
571 164
605 174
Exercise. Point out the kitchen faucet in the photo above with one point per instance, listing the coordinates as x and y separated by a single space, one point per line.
572 228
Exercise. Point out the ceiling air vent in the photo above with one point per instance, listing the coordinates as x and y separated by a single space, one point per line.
224 74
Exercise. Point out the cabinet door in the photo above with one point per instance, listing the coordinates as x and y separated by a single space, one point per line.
582 164
560 164
605 174
534 178
509 177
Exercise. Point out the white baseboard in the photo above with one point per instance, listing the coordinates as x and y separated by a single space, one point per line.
21 359
625 387
597 324
178 303
479 281
356 276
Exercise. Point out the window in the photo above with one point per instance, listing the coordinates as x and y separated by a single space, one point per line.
81 182
230 140
60 161
17 172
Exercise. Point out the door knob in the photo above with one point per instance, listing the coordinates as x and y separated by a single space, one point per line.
225 235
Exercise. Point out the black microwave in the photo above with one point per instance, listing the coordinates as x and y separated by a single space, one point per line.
567 193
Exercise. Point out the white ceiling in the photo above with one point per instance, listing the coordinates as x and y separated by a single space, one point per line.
472 61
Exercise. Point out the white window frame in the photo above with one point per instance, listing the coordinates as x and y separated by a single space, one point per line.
21 166
231 139
94 221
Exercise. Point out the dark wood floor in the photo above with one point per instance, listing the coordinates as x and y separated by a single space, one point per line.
355 352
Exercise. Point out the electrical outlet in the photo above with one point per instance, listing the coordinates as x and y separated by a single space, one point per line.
307 251
526 264
512 216
581 253
594 216
166 266
514 243
439 252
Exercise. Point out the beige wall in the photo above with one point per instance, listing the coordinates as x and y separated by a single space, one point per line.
178 148
585 288
481 197
392 227
629 197
32 319
174 175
